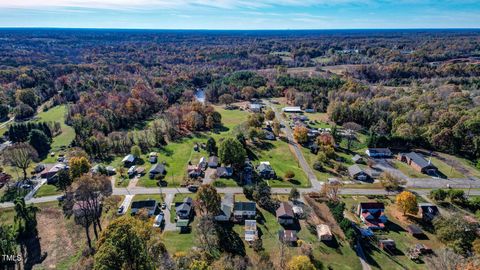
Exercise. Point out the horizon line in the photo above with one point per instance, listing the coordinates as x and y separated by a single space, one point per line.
231 29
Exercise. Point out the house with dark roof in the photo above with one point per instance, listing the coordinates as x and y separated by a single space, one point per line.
213 162
184 209
51 170
224 172
244 210
357 173
128 159
266 171
378 152
415 231
418 163
157 169
285 215
150 205
358 159
372 214
288 237
226 208
428 211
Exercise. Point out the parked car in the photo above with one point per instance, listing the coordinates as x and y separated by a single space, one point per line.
132 170
164 205
192 188
120 210
61 198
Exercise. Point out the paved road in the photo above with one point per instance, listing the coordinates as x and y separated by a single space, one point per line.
317 185
169 226
126 203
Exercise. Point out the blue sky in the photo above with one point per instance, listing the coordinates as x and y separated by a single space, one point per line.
240 14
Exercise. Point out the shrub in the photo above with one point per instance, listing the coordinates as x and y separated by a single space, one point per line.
438 194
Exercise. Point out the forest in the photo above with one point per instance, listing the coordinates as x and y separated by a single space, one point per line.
414 86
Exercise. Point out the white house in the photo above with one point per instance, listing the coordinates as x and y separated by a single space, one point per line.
292 110
251 233
244 210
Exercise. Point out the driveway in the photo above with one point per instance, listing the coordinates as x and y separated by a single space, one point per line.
316 185
208 179
126 203
169 226
32 192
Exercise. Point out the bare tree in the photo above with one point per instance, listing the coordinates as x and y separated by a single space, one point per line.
20 155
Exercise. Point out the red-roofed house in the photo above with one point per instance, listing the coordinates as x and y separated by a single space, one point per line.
372 214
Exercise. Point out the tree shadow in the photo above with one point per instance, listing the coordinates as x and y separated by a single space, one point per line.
34 252
231 242
294 182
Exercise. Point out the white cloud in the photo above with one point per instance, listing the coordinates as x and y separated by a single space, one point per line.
147 4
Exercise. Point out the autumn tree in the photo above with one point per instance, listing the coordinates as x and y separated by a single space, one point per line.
78 166
270 115
207 235
390 181
300 133
407 202
129 243
300 262
20 155
208 200
226 99
255 120
231 152
136 151
455 232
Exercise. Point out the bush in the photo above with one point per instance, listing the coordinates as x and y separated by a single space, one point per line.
289 175
456 195
438 194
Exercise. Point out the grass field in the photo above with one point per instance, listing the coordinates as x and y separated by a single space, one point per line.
47 190
57 114
395 230
445 169
407 170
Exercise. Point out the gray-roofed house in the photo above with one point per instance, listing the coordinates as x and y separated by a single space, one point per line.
244 210
255 107
288 237
150 205
358 173
128 159
418 162
266 171
378 152
157 169
213 162
285 215
224 172
184 209
358 159
428 211
226 208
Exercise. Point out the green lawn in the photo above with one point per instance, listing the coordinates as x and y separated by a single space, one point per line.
141 197
47 190
407 170
57 114
395 229
178 242
232 118
446 169
281 159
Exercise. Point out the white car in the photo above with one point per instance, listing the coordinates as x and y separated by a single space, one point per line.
157 223
132 170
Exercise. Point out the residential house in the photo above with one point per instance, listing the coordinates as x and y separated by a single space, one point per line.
372 214
251 233
266 171
415 231
292 110
357 173
255 107
285 215
226 208
150 205
128 159
324 233
50 172
428 211
132 171
152 157
269 135
288 237
379 152
213 162
184 209
418 163
224 172
157 169
387 244
244 210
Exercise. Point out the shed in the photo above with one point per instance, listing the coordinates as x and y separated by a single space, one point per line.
292 109
128 159
324 233
387 244
415 231
213 162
